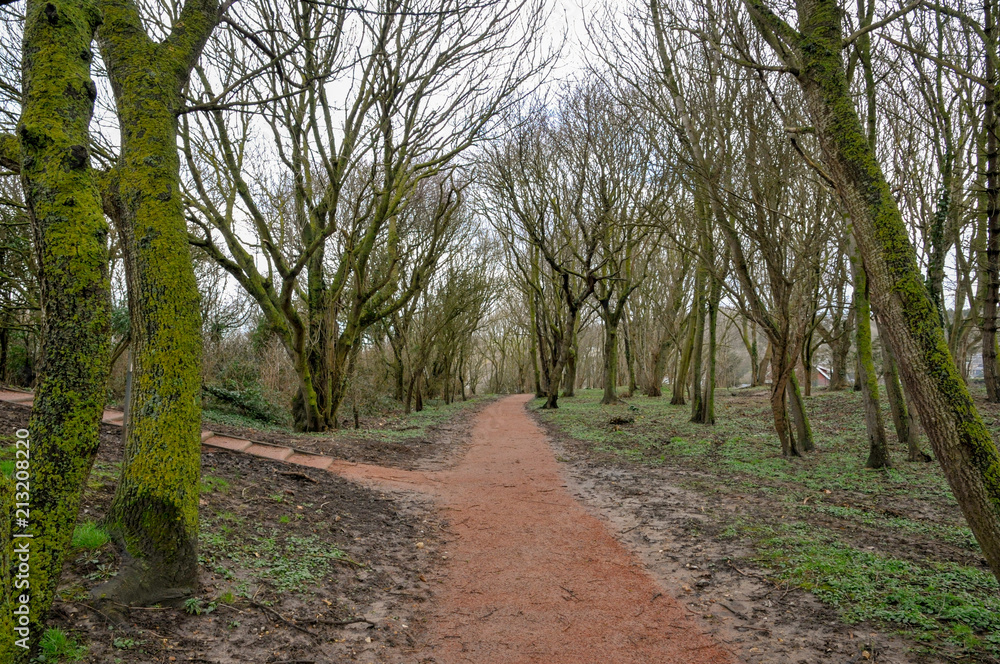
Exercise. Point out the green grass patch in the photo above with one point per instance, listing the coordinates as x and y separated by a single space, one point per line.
210 484
88 535
281 561
934 601
58 646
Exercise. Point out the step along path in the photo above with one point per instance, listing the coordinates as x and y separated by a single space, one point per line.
531 575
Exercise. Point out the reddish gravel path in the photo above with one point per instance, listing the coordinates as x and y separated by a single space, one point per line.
532 576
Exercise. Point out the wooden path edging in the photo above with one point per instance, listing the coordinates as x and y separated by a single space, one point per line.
209 438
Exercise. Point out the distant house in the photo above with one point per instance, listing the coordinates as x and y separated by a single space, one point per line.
822 376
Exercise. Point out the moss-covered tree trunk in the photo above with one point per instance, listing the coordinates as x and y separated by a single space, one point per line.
962 443
807 365
70 236
902 415
797 406
9 651
633 385
878 447
154 514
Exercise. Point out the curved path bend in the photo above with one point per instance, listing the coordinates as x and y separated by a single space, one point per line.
531 575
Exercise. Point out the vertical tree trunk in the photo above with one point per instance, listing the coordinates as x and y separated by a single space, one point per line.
655 387
708 399
699 342
153 517
569 378
807 366
633 387
779 407
684 362
755 379
902 417
991 202
10 651
610 363
797 405
398 376
839 353
878 454
4 351
70 235
762 367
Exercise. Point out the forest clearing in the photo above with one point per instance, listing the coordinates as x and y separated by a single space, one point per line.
543 331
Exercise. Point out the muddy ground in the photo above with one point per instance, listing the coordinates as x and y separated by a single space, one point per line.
297 566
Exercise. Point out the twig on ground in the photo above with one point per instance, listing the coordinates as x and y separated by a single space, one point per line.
284 619
338 623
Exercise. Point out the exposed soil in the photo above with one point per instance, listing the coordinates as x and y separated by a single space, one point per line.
589 560
281 513
675 532
531 576
431 449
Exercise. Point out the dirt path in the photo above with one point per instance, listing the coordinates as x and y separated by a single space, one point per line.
532 576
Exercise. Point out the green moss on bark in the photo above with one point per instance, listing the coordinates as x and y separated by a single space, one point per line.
71 247
154 514
961 442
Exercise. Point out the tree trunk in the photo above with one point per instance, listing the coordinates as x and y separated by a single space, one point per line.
803 430
153 517
655 387
684 363
4 353
699 342
755 379
569 375
762 367
779 408
610 363
70 235
962 443
878 454
807 366
902 418
633 387
10 650
708 399
839 352
991 202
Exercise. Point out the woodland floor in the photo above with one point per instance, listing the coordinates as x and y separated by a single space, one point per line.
802 561
477 540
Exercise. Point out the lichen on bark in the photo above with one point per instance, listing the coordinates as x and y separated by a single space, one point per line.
70 237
